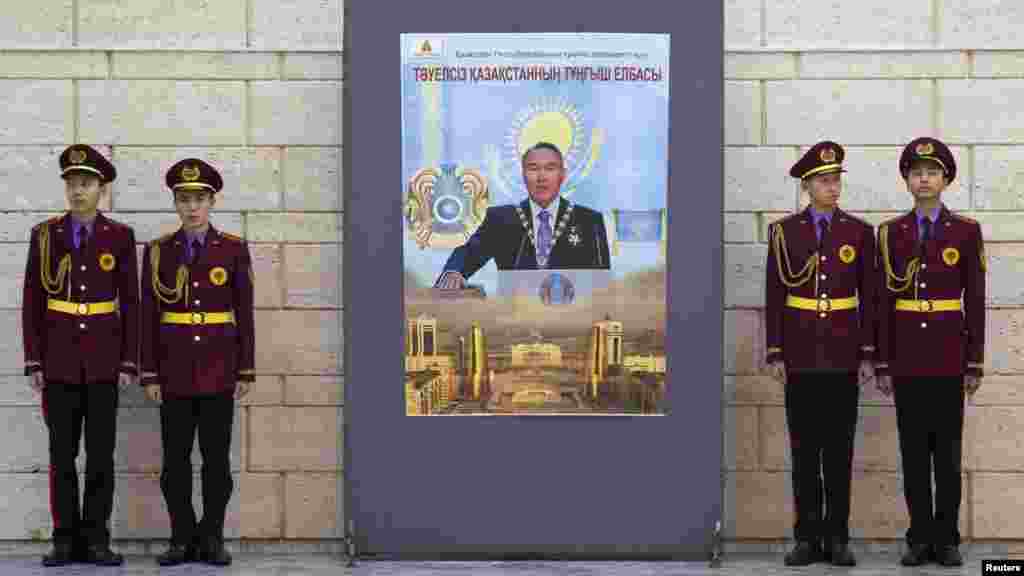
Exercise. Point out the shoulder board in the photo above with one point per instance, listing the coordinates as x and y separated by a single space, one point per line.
162 239
121 226
53 220
963 218
856 219
232 237
890 221
786 218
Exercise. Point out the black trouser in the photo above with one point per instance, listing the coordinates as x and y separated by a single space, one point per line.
930 419
180 418
65 408
821 413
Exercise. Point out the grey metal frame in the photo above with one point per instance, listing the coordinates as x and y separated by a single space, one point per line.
531 487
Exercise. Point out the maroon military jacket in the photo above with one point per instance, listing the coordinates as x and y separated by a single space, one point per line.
931 343
66 345
820 339
198 359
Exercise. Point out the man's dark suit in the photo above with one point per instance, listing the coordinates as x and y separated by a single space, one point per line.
504 235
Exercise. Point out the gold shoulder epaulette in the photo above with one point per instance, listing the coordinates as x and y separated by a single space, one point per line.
890 221
161 239
230 236
47 222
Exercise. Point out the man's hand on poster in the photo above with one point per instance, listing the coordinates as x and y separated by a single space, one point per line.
451 280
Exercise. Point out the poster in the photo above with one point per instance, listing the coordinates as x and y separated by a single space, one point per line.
534 194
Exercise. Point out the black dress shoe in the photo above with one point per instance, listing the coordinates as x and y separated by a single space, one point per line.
948 556
214 553
841 555
102 555
61 554
80 553
803 554
176 554
916 555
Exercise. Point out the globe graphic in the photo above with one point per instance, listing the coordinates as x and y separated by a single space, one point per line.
447 209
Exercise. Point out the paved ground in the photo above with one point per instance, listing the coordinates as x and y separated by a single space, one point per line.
317 565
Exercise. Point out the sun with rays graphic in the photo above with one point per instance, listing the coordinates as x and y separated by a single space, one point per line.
552 120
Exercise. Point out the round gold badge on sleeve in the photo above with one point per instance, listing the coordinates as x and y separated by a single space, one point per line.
218 276
107 261
847 253
951 256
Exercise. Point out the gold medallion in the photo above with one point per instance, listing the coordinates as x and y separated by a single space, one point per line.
827 155
107 261
847 253
951 256
218 276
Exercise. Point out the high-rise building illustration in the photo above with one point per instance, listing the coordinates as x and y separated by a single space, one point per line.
476 382
430 376
605 350
421 336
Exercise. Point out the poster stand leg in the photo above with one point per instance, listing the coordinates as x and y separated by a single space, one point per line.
716 545
350 545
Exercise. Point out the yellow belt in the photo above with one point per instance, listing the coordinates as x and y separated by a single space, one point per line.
821 304
928 305
81 308
197 318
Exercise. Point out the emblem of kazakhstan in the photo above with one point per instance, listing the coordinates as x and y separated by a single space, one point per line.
445 206
551 120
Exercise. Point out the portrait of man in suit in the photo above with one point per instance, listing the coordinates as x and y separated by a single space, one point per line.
544 231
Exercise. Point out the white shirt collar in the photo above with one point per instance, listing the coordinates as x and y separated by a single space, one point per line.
552 209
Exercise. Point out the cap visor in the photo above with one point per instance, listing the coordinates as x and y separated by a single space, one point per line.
88 169
833 169
193 186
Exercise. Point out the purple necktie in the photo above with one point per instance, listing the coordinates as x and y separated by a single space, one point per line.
83 237
544 237
194 256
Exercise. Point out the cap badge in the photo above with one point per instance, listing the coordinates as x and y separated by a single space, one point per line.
76 156
190 173
827 155
924 149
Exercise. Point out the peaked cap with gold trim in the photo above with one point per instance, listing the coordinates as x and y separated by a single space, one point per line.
823 158
928 149
194 174
85 158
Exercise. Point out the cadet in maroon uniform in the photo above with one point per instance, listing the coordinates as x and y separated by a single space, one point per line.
931 334
79 321
197 356
820 334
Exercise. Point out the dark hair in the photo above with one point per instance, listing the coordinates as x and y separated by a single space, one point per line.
543 146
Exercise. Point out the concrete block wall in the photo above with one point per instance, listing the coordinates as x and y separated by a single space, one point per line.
254 86
873 75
